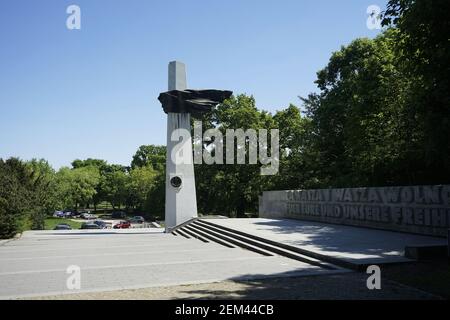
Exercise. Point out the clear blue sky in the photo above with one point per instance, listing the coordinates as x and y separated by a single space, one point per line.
67 94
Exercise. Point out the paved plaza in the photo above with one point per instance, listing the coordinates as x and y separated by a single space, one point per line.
36 264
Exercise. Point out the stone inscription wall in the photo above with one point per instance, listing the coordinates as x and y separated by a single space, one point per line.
415 209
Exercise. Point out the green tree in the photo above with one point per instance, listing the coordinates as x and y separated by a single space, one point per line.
114 183
296 151
77 187
150 155
358 131
15 190
98 163
155 201
101 166
141 183
43 195
423 50
236 185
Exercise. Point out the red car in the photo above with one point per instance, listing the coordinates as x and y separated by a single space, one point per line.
122 225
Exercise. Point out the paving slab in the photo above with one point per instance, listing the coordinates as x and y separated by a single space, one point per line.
36 264
354 245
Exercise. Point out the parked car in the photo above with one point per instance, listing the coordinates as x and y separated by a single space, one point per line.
58 214
122 225
72 214
89 225
137 219
62 226
118 215
88 216
101 224
69 212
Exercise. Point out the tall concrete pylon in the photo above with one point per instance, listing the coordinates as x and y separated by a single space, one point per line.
181 199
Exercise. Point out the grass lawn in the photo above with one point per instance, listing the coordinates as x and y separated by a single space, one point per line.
50 223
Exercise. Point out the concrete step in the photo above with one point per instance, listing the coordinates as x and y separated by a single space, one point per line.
229 239
192 233
268 248
210 237
181 233
267 245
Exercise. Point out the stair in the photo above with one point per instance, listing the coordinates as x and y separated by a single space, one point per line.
209 232
229 239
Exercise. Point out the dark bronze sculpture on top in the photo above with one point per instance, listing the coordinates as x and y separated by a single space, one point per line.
190 101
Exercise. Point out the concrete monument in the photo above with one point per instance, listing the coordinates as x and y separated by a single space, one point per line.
180 103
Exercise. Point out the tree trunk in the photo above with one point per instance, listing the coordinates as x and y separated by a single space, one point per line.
240 210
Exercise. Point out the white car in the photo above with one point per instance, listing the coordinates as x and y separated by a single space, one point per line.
88 216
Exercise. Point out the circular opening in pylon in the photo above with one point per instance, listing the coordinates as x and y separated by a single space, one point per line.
176 182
